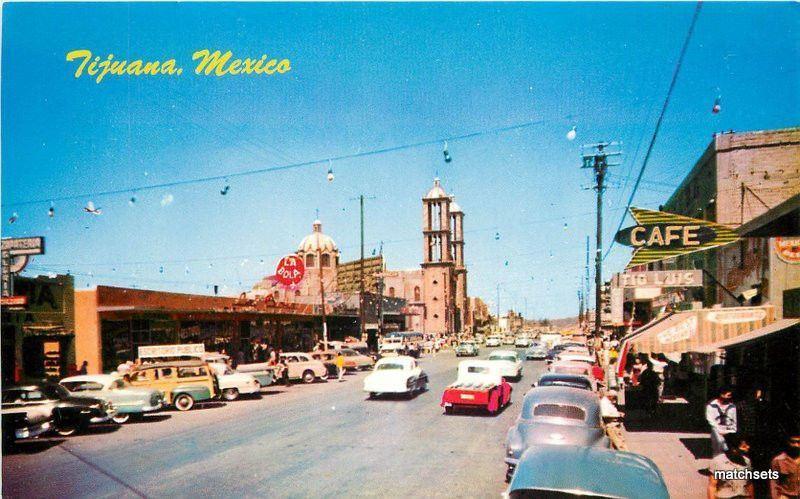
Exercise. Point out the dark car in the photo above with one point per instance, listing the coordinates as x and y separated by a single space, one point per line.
48 401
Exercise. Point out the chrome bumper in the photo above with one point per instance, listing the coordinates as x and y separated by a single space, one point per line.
33 431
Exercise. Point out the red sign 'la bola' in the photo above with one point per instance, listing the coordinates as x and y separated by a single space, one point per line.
290 271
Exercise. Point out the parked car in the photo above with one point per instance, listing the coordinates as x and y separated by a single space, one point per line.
396 375
232 383
555 415
183 383
467 349
261 371
522 342
510 365
303 367
46 401
567 471
480 339
480 384
20 421
576 357
508 339
356 359
568 380
494 341
129 401
536 351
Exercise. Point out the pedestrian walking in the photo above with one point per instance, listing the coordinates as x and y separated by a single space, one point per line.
84 368
340 365
787 464
721 416
649 382
732 460
613 419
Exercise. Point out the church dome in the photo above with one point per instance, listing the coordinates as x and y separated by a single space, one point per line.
436 191
317 241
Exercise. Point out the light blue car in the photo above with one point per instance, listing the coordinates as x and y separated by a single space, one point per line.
127 400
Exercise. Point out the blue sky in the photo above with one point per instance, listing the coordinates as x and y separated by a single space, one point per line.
364 77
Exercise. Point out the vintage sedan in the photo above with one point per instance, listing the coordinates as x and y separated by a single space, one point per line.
555 415
567 471
509 362
494 341
522 342
568 380
576 357
232 383
400 374
304 367
536 351
42 401
467 349
479 385
129 401
359 361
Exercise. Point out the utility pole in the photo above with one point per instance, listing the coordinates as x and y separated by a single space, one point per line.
597 160
322 296
380 294
586 290
580 307
498 306
361 301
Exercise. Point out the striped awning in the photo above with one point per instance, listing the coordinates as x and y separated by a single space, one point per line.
698 330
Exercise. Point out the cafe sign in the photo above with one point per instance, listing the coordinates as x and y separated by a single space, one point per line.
658 235
659 279
186 350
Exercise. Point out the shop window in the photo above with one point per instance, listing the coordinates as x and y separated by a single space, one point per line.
309 261
325 260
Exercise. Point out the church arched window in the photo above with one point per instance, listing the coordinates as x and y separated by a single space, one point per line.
325 260
391 291
309 260
417 294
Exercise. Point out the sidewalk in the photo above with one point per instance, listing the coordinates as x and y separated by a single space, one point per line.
679 449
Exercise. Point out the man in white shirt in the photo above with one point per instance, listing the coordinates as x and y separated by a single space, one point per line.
613 419
721 416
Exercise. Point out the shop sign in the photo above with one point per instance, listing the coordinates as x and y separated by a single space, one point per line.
187 350
13 301
681 331
788 249
658 235
736 316
659 279
290 270
16 246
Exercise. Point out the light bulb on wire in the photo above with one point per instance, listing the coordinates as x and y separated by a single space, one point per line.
446 153
330 171
717 105
51 212
573 132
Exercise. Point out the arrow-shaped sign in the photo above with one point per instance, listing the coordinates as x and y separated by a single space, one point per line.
658 235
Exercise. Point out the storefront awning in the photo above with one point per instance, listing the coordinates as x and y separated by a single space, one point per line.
697 330
775 327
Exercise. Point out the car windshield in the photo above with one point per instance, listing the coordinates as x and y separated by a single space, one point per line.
389 365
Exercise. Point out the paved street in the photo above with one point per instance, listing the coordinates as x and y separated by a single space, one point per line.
313 440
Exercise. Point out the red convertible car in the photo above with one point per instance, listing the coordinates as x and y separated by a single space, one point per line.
480 384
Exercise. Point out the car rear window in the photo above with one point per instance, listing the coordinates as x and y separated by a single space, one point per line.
477 369
559 411
191 372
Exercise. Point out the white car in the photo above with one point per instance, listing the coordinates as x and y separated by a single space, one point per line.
400 374
233 384
494 341
576 357
302 366
522 342
509 362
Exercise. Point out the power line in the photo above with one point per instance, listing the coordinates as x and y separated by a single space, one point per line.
289 166
660 119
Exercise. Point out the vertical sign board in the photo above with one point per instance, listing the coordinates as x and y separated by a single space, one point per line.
15 254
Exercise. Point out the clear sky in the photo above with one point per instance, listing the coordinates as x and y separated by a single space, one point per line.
364 77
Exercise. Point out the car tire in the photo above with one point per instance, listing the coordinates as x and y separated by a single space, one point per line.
448 410
183 402
66 430
308 376
372 395
230 394
121 418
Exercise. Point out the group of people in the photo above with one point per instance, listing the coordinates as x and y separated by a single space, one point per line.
743 439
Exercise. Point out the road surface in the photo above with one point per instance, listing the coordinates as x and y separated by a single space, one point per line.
324 439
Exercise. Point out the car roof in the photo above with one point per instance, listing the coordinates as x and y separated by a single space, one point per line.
403 359
100 378
177 363
562 395
590 471
503 352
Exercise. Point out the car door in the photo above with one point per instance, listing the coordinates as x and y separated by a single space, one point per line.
293 364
